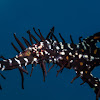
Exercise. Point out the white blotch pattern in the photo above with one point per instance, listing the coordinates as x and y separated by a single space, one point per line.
0 65
18 61
26 61
80 55
3 68
10 61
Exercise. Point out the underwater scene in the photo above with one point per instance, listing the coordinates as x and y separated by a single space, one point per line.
50 49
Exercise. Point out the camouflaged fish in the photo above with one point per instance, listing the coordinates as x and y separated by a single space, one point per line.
82 57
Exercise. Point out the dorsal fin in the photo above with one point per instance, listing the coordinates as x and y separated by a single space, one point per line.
51 31
80 39
32 36
15 47
62 38
37 33
2 57
26 42
55 38
71 39
41 34
20 44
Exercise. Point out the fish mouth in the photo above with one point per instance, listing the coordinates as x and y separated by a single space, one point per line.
5 66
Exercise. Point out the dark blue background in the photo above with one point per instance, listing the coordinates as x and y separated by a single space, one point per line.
75 17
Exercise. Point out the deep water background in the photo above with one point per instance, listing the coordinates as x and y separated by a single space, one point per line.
75 17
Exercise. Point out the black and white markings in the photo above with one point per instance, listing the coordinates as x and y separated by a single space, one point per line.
3 68
83 44
0 65
10 61
35 60
62 53
18 61
26 61
85 56
69 46
80 56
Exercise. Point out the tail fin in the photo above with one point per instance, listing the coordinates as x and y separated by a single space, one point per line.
93 83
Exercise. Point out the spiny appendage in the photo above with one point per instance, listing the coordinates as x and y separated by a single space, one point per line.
31 55
38 53
83 58
93 82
